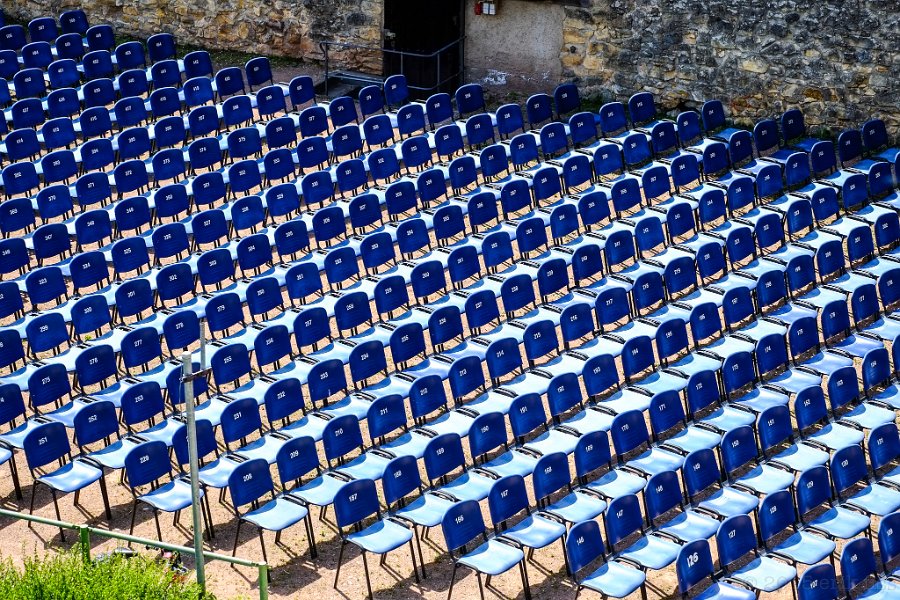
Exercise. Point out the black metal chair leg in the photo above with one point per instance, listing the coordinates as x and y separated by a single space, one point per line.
15 477
366 569
106 499
262 544
133 516
62 532
340 559
419 546
452 581
311 538
412 555
237 535
158 529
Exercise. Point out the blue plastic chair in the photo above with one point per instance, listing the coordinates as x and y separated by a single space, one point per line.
469 546
858 567
735 540
145 465
355 502
694 567
251 483
777 515
48 444
662 496
584 546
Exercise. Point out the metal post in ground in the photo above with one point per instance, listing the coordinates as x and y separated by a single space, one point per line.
187 378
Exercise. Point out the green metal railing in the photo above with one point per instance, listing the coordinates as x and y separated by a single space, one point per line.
85 532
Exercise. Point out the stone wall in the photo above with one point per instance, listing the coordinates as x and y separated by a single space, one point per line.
835 59
518 47
273 27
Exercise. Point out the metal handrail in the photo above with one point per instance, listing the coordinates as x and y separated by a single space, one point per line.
85 532
324 46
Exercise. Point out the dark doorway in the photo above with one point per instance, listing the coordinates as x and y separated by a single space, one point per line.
424 28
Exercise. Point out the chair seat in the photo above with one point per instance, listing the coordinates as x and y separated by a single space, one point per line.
492 558
72 476
590 420
724 591
765 574
469 486
800 457
113 456
381 536
836 436
656 461
554 441
171 497
266 447
806 548
876 499
577 507
616 483
841 523
652 552
535 531
367 466
615 579
729 502
512 463
880 590
408 444
216 473
689 526
427 510
312 426
766 479
164 431
694 438
320 491
869 416
277 514
451 422
726 419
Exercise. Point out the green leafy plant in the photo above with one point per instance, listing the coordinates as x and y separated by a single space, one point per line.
65 576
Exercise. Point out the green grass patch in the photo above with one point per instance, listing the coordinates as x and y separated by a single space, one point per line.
65 576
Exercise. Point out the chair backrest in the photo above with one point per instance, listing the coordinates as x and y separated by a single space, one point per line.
889 541
250 481
443 454
507 498
776 514
354 501
46 443
206 442
693 565
662 494
550 475
883 445
848 466
584 544
622 519
146 463
700 471
401 479
461 524
857 564
818 582
734 539
296 458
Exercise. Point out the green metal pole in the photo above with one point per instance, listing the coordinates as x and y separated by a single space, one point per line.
263 582
85 534
188 379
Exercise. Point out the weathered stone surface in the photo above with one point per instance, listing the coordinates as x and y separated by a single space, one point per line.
272 27
836 60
